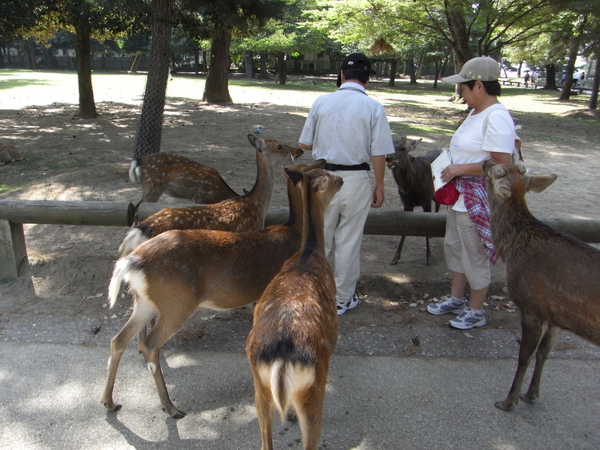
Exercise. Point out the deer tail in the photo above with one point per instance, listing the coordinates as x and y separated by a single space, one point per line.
287 379
134 171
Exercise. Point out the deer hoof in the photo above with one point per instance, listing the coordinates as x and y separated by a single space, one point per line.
393 262
111 406
175 413
503 406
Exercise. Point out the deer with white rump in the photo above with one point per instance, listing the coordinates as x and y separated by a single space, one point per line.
551 276
295 324
175 273
244 213
180 177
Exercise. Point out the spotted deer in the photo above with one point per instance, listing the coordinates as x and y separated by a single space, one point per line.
550 275
244 213
175 273
179 177
295 325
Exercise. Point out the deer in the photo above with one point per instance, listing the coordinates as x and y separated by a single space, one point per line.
550 275
172 275
415 183
295 324
180 177
244 213
9 154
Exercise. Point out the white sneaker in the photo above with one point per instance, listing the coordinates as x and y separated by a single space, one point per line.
350 304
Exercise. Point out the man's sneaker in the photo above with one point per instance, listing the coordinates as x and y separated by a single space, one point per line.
350 304
448 305
468 319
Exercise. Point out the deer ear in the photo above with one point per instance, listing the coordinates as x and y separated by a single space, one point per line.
295 175
320 183
257 143
537 183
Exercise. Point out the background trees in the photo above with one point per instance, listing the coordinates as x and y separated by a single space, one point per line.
401 35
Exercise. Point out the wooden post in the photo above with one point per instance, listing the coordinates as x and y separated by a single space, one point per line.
13 251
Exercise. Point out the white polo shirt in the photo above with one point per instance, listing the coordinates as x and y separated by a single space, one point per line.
347 127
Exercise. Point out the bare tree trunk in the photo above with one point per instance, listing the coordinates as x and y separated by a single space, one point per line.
596 83
393 71
83 56
263 65
135 63
249 63
149 134
216 88
281 68
573 51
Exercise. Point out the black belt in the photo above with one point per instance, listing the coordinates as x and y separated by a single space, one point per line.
363 166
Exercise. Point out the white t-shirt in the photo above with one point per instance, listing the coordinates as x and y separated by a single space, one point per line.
492 130
347 127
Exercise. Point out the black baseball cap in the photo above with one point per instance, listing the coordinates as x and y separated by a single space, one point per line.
355 61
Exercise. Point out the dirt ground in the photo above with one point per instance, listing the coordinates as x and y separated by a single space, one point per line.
69 158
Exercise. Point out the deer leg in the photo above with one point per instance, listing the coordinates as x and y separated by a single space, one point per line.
263 401
118 344
143 333
427 252
398 252
531 335
540 356
309 407
162 331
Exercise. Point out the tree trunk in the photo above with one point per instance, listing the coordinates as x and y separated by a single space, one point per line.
249 63
410 65
596 83
550 77
264 56
149 134
216 88
281 68
83 58
30 53
135 63
393 71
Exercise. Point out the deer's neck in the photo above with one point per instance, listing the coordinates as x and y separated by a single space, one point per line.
262 191
313 233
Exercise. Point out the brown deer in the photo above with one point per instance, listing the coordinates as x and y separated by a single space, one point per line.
243 213
9 154
550 275
296 323
179 177
173 274
415 182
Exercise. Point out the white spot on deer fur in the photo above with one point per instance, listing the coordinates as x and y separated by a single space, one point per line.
152 368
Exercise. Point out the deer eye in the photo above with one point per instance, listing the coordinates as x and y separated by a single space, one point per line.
280 147
499 171
521 168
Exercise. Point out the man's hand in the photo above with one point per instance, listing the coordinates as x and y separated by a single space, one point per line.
378 198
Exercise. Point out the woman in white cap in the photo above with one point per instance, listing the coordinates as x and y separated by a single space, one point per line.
487 133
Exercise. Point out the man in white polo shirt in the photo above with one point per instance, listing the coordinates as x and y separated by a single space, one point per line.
349 130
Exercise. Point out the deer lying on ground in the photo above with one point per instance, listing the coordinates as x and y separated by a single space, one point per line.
415 183
295 324
173 274
9 154
243 213
179 177
550 275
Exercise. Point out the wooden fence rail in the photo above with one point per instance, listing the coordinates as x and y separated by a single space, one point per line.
15 213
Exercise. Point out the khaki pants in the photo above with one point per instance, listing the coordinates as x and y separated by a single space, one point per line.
464 250
344 224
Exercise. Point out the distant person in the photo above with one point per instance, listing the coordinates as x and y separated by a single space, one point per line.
488 132
526 78
349 130
582 78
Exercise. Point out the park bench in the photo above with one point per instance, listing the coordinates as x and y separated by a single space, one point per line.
15 213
